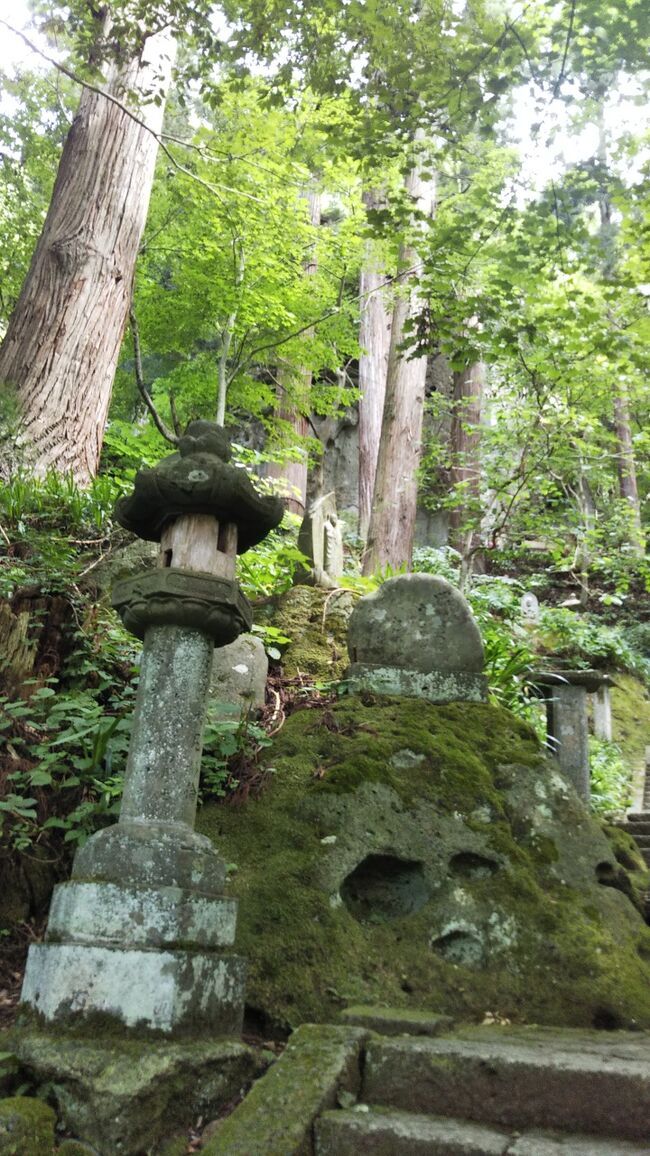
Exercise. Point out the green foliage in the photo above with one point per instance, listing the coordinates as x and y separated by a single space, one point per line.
582 640
70 749
51 521
611 778
230 754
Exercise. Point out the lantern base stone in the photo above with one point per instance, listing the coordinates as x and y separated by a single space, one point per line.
177 993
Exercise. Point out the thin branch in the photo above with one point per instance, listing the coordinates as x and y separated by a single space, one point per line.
139 379
556 87
132 115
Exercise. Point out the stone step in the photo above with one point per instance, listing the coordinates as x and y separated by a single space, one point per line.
396 1021
381 1132
636 829
640 837
572 1081
638 817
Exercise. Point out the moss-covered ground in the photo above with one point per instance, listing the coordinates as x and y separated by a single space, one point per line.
557 952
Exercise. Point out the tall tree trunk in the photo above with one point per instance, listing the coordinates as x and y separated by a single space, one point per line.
465 470
291 476
627 468
63 340
374 339
392 519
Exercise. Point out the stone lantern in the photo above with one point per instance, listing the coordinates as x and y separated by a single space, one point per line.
142 931
567 722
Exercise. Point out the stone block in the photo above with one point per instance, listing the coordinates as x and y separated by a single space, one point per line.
416 622
183 992
359 1133
137 855
396 1021
238 683
569 1081
125 1095
434 686
277 1115
105 913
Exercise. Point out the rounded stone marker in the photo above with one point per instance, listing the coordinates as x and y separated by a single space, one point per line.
416 622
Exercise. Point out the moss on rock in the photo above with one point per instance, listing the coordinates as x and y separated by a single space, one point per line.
631 724
316 622
26 1127
420 855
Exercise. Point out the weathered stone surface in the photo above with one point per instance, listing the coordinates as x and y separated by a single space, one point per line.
355 1133
26 1127
183 598
416 622
108 914
396 1021
573 1082
151 856
185 992
277 1115
238 682
316 622
124 1096
435 686
440 841
199 480
321 541
394 1133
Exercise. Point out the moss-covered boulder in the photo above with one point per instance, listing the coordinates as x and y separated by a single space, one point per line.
26 1127
428 856
316 623
128 1096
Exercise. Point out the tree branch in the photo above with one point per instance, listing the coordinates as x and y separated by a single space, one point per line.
144 392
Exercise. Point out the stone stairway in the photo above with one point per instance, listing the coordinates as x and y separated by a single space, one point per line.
637 824
487 1091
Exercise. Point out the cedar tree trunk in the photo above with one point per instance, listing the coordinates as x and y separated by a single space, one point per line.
63 340
392 519
374 339
465 462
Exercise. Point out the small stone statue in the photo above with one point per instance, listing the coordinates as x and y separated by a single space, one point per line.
321 540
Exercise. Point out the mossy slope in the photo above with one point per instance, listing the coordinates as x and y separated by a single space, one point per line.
506 916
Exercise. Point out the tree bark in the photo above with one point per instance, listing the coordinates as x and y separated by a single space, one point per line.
392 520
374 339
63 340
627 468
291 476
465 469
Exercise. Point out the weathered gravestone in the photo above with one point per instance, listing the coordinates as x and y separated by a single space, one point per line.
321 540
416 636
142 932
529 606
238 683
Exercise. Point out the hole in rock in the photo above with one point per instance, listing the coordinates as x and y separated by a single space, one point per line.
384 887
167 557
607 1020
259 1025
610 876
460 946
470 865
